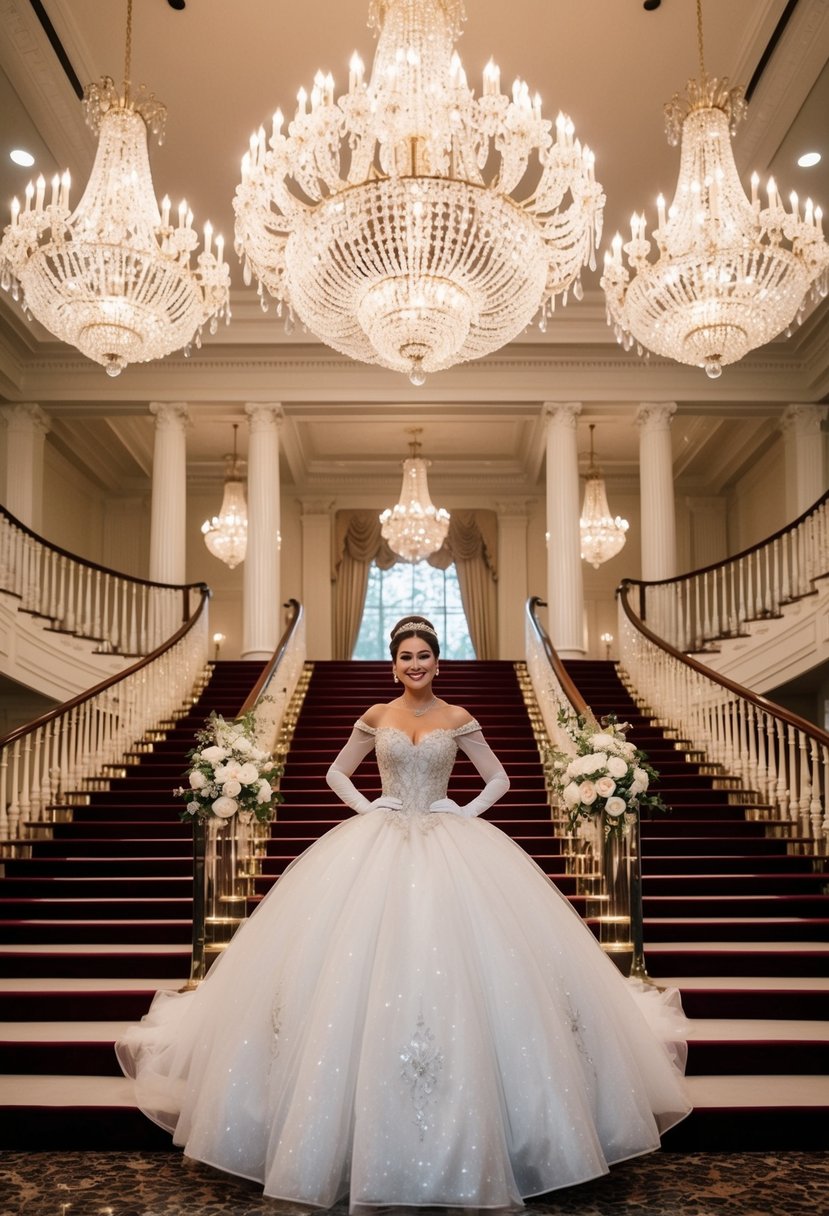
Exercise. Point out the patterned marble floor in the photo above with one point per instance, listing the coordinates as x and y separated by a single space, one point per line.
166 1184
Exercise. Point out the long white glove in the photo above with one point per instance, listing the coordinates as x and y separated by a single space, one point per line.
338 776
489 767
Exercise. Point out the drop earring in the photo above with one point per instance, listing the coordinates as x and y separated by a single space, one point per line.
437 672
394 677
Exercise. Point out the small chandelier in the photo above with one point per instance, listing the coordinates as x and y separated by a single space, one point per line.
409 223
602 535
731 274
226 534
414 527
113 278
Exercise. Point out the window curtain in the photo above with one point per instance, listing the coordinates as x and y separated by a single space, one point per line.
471 544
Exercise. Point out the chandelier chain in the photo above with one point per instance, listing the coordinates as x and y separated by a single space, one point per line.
128 53
700 42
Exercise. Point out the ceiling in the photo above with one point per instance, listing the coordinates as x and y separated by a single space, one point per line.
222 69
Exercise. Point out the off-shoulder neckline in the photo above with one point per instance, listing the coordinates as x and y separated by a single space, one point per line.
465 729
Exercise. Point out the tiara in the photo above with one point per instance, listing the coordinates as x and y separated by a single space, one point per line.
413 627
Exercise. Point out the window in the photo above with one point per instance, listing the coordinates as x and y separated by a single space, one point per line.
418 589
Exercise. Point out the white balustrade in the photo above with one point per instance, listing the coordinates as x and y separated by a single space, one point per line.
693 611
122 615
779 756
44 765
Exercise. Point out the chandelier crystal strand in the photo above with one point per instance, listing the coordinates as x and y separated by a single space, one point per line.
414 527
730 274
226 534
602 534
409 223
113 278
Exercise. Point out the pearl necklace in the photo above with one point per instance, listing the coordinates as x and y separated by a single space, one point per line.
419 712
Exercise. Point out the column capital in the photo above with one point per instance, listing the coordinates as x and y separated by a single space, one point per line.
264 415
516 508
316 506
562 413
655 415
803 419
26 414
170 415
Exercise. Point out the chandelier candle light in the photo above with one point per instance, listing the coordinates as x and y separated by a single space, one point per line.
113 278
414 527
602 535
226 534
409 223
730 274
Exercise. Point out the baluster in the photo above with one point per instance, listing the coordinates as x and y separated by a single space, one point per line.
785 585
748 589
107 625
707 599
85 576
35 760
804 774
24 798
15 828
734 619
70 622
758 583
815 810
4 814
752 746
133 630
775 582
762 760
793 782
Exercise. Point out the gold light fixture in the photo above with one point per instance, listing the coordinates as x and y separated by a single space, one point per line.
602 535
409 223
113 278
226 534
730 274
414 527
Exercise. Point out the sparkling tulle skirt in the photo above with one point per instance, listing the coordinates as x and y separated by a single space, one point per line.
413 1016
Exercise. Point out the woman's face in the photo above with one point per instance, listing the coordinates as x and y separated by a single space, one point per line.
415 663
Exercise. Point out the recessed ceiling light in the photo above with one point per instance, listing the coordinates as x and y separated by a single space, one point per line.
21 157
808 159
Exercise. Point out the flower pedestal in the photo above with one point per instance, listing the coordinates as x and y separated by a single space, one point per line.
617 905
227 884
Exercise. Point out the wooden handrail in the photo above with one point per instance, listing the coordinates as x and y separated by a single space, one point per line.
260 687
567 686
90 565
756 699
59 710
735 557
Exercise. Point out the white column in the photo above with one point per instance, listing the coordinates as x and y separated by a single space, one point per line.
565 587
513 517
26 430
656 489
804 457
262 613
316 575
168 513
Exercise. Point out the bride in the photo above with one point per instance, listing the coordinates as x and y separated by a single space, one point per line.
414 1015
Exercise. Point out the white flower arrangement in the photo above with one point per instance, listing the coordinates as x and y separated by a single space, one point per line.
608 776
228 773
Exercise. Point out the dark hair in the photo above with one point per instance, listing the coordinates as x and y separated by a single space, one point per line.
420 628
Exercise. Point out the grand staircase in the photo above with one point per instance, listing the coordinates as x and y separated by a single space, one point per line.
97 917
736 915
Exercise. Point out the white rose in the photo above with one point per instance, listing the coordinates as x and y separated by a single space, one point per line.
602 741
641 778
231 788
628 750
616 766
615 807
197 781
224 807
213 754
248 774
264 793
587 792
228 772
193 808
605 787
572 769
572 794
243 745
593 762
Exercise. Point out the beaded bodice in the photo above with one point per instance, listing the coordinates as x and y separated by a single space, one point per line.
416 773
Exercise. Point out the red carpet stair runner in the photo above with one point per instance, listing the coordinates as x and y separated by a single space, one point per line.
98 917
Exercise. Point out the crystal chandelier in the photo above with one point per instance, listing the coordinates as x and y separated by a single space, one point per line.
226 534
409 223
414 527
730 274
602 535
113 278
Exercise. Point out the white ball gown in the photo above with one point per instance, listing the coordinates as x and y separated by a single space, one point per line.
414 1016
